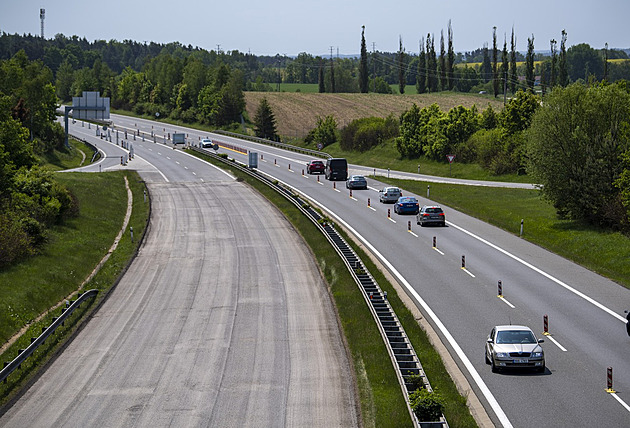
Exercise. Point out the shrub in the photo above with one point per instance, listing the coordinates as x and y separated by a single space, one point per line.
366 133
428 406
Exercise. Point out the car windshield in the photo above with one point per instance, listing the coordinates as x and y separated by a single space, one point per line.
317 163
515 336
434 210
407 200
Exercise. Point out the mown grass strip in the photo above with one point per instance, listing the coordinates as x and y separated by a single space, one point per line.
31 287
382 402
601 251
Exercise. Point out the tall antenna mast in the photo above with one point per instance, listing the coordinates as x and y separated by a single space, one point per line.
42 15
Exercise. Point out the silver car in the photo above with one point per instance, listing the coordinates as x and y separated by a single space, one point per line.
431 214
514 346
389 194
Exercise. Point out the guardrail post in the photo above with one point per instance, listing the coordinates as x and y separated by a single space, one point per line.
428 190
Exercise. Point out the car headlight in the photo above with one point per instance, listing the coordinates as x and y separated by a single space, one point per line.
537 354
502 354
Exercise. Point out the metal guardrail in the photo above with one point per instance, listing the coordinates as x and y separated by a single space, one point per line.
400 349
275 144
23 354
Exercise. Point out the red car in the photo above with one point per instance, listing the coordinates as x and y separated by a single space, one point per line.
315 167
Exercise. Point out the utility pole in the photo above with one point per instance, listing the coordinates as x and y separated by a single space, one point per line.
332 71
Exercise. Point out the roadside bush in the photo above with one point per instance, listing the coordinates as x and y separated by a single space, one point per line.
428 406
366 133
15 243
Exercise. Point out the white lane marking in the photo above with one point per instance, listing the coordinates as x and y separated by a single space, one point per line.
614 394
208 163
412 233
177 162
391 219
336 190
436 249
562 348
373 209
194 173
354 199
319 182
540 271
185 167
168 157
506 302
159 153
468 272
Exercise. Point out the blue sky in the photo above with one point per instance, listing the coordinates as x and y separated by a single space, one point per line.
313 26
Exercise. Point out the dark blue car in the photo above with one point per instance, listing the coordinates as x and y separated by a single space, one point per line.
407 205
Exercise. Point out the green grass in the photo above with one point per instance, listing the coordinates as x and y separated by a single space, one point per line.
601 251
67 158
30 288
311 88
382 403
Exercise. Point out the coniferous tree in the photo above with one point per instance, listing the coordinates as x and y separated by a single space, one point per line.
495 60
504 65
513 73
265 121
443 83
401 66
332 73
450 67
554 60
486 65
606 62
322 86
364 78
563 72
529 64
421 82
432 76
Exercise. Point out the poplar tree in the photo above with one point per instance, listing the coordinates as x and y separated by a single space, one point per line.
421 83
363 67
486 65
401 66
443 83
322 86
495 60
432 76
504 64
450 67
606 61
513 73
529 64
554 60
563 72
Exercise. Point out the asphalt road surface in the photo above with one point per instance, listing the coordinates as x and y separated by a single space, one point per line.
585 310
222 320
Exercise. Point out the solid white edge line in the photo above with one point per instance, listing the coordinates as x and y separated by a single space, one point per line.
468 272
540 271
447 335
623 403
506 302
562 348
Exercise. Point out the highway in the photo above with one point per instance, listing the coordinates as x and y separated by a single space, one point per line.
585 310
222 319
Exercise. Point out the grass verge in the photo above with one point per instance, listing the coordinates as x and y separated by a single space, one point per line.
382 402
31 287
78 154
604 252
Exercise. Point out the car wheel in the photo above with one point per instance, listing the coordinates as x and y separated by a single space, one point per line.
541 369
487 359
